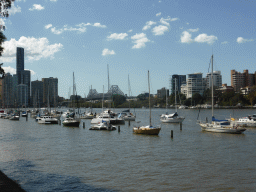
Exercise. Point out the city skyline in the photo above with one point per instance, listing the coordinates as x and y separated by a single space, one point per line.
165 37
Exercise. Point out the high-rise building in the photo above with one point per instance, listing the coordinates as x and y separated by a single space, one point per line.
217 79
22 95
241 80
50 91
195 84
26 79
37 93
8 91
19 63
180 79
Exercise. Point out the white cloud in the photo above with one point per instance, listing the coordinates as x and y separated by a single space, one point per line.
148 25
159 30
242 40
99 25
81 28
35 48
108 52
31 71
224 42
117 36
186 37
130 31
48 26
167 20
36 7
204 38
193 30
14 9
54 0
158 14
139 40
9 69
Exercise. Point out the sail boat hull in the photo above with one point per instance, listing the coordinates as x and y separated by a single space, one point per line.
172 120
147 130
221 129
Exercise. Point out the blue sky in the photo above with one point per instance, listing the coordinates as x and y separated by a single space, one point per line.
131 36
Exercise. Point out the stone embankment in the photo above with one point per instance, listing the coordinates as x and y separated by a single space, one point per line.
8 185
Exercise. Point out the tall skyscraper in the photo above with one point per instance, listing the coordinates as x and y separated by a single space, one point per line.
26 79
37 93
19 63
50 91
180 79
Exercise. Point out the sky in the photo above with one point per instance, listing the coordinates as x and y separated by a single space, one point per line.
165 37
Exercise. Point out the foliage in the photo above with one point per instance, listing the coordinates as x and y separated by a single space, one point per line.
118 100
4 6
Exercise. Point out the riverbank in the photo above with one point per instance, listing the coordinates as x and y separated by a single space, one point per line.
8 185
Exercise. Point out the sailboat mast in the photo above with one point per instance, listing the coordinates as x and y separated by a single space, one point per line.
103 99
175 96
166 100
149 101
212 84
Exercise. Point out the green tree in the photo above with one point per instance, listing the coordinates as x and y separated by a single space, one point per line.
252 96
118 100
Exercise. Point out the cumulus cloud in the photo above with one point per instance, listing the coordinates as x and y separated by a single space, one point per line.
48 26
36 7
130 31
186 37
167 20
193 30
99 25
14 9
34 48
202 38
242 40
81 28
160 30
117 36
139 40
158 14
108 52
148 25
9 69
31 71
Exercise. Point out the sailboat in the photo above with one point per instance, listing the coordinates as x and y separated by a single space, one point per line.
219 126
173 117
149 129
129 116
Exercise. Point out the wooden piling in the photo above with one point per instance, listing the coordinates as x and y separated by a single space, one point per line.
180 126
27 117
129 122
119 128
59 121
171 133
83 124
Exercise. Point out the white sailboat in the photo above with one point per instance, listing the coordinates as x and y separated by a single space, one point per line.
173 117
149 129
220 126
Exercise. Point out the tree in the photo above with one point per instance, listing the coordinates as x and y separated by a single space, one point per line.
118 99
4 6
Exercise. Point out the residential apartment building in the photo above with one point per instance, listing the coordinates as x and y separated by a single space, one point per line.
241 80
217 79
195 84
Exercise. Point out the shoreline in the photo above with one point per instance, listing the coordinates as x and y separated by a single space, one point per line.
8 185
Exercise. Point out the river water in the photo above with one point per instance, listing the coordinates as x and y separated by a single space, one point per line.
56 158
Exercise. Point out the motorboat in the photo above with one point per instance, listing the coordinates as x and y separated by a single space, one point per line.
103 126
71 122
147 130
14 117
47 120
24 114
171 118
245 121
88 115
129 117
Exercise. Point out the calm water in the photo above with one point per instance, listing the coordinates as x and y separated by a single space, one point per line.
57 158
